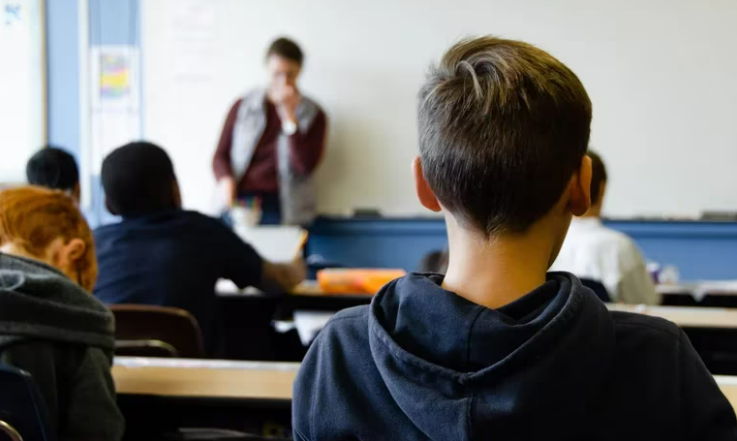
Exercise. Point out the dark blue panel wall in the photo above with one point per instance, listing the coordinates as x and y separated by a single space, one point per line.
701 250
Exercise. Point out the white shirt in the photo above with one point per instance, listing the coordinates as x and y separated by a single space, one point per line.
593 251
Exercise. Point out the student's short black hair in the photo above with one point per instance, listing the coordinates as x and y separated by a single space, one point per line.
54 168
139 179
503 126
286 48
598 176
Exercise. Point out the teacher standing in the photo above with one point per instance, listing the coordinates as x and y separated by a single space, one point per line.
271 143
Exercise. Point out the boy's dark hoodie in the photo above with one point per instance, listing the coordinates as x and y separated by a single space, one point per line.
54 330
422 363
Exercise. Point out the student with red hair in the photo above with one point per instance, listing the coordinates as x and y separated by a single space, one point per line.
50 325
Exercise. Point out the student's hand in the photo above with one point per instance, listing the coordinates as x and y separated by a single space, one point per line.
289 100
282 276
228 190
297 271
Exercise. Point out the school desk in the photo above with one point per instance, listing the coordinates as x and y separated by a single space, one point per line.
685 317
157 395
191 378
721 293
728 385
306 296
248 323
219 380
712 332
247 317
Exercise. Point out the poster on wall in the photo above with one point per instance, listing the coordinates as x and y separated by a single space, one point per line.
115 103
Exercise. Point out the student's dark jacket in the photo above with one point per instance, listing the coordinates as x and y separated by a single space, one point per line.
423 363
61 335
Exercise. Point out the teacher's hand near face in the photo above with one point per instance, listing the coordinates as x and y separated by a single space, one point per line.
287 102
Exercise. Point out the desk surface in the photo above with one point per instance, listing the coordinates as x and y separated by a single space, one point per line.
306 296
728 385
204 378
241 380
686 317
700 288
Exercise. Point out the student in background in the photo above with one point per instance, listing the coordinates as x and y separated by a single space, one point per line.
163 255
498 349
272 142
54 168
593 251
50 325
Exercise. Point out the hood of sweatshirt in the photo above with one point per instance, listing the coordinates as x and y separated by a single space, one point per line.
37 301
440 354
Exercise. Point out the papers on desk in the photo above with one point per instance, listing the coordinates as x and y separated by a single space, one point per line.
309 323
274 243
226 288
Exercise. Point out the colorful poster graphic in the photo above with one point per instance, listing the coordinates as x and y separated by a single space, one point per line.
115 76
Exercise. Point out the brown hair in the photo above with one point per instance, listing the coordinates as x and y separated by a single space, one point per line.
503 126
286 48
33 217
598 176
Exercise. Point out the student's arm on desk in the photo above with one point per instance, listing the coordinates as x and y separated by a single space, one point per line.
706 412
636 285
245 267
277 277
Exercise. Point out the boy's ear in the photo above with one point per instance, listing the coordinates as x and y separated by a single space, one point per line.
579 199
75 249
110 208
424 192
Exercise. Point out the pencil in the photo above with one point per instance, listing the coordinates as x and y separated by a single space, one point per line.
302 241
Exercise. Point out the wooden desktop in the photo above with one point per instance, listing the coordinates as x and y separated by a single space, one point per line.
187 378
240 381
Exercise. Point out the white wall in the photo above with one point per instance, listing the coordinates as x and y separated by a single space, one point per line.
22 111
661 73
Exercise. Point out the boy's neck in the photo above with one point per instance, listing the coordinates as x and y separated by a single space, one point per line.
495 272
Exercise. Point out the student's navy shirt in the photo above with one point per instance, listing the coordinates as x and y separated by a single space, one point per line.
422 363
172 258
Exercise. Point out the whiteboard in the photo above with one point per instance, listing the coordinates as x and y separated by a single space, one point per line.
661 75
22 86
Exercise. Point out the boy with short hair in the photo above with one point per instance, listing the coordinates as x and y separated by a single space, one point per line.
54 168
596 252
163 255
498 349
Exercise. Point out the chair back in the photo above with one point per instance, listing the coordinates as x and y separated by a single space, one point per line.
598 288
23 414
156 331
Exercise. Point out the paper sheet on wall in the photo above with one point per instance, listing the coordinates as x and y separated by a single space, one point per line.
190 31
115 103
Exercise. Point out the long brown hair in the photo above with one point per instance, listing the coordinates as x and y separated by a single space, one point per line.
33 217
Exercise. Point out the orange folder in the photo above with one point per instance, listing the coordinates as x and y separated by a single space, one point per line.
355 281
